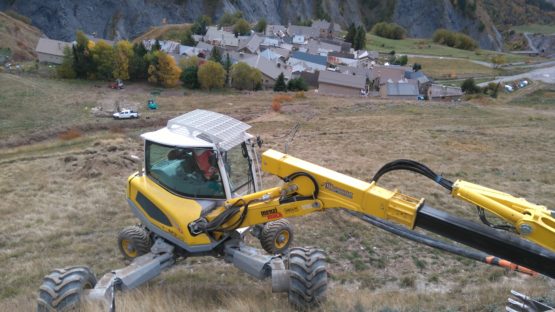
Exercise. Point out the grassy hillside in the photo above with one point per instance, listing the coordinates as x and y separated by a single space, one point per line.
167 32
64 200
18 36
506 14
535 29
428 47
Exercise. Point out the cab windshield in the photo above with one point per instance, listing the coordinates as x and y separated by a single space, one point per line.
239 171
190 172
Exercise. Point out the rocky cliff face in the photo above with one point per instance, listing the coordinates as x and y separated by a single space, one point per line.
129 18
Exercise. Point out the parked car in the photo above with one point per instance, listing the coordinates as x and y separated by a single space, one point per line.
126 114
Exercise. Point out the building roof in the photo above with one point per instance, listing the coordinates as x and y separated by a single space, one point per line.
53 47
401 89
281 51
391 72
274 42
360 71
317 46
323 24
351 81
437 90
252 44
275 30
419 76
223 37
269 68
269 54
308 32
342 55
204 46
299 39
311 58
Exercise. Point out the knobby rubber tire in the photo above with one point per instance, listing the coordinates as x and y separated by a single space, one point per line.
62 289
139 239
308 277
270 233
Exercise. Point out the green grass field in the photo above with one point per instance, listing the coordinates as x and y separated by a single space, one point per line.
428 47
535 29
452 69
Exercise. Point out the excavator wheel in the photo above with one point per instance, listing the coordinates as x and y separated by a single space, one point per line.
134 241
276 236
61 290
308 277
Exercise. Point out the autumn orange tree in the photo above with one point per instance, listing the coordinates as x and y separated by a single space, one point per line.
163 70
123 52
211 75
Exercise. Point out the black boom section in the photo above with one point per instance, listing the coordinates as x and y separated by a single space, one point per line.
151 209
498 243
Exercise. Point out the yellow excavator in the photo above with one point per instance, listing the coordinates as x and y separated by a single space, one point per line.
198 192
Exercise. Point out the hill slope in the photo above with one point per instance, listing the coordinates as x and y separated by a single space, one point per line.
127 19
19 37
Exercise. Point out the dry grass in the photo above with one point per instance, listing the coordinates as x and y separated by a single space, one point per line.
63 202
20 37
452 69
163 32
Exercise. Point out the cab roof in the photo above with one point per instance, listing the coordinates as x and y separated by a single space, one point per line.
201 128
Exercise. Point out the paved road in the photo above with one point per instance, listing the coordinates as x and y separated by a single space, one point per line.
546 75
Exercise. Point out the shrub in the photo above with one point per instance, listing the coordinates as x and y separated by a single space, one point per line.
297 84
211 75
70 134
389 30
276 106
245 77
469 86
454 39
300 95
280 85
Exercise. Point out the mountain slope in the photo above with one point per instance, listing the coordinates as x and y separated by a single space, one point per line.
19 37
128 19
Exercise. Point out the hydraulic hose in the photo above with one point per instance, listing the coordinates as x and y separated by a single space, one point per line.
411 165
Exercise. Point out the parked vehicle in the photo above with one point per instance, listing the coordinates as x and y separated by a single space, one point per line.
126 114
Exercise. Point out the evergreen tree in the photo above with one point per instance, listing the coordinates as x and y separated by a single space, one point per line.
360 38
66 69
216 55
280 85
227 66
200 26
83 63
138 66
188 38
156 46
351 33
189 76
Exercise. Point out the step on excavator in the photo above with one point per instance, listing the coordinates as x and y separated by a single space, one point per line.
198 192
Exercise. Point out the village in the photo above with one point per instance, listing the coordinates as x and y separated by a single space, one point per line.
317 54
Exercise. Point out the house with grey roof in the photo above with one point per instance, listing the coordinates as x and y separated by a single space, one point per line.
342 58
275 30
270 69
326 29
311 61
422 80
205 46
315 46
305 31
400 90
437 92
333 83
51 51
218 37
251 45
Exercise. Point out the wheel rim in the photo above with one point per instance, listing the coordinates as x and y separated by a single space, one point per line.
282 239
128 248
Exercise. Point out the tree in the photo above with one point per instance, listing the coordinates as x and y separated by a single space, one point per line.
498 60
164 72
83 63
261 25
360 38
469 86
389 30
215 55
211 75
229 19
297 84
191 61
245 77
241 27
351 33
189 76
416 67
138 66
123 53
227 66
188 38
66 70
200 26
280 85
103 57
156 46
